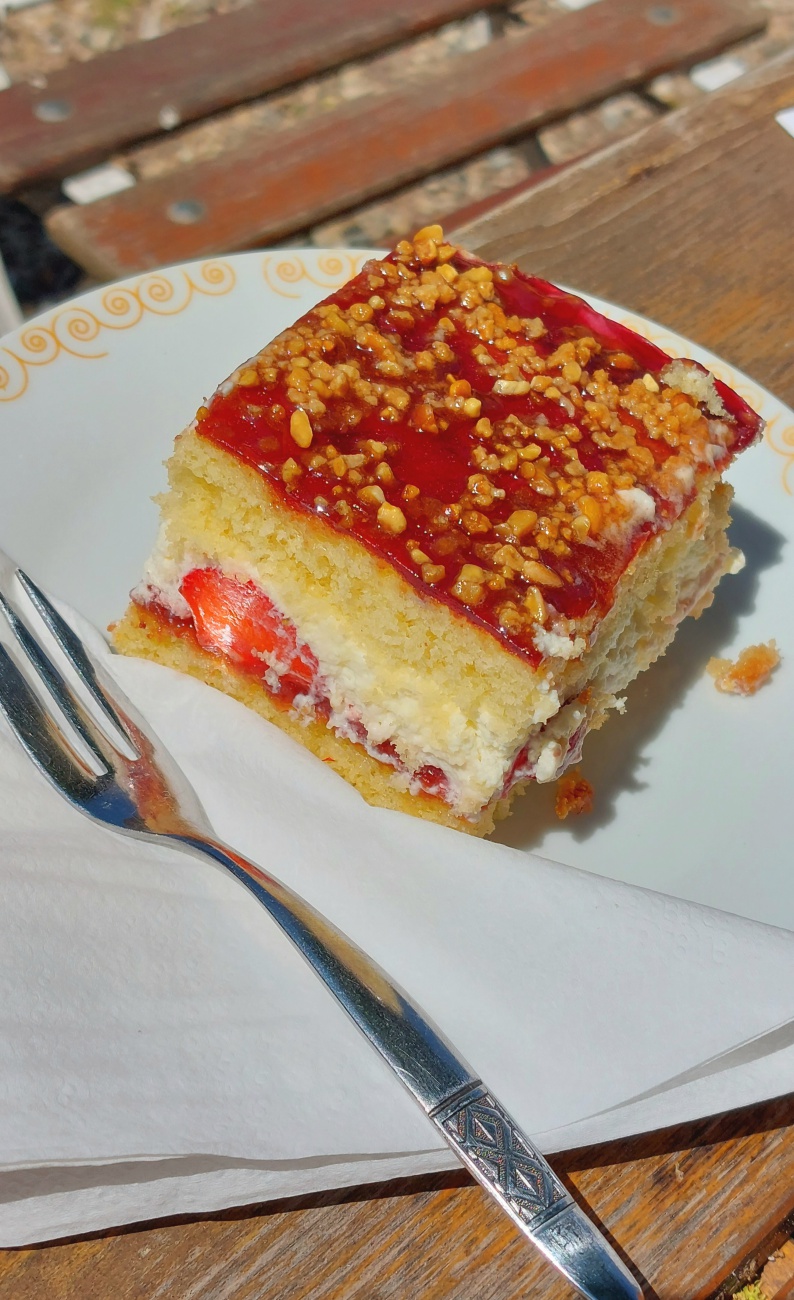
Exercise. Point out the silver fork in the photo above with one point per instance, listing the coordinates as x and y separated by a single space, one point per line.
140 791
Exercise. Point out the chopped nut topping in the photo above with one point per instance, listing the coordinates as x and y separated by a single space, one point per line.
362 311
429 232
521 522
516 513
371 496
536 605
425 418
470 593
598 484
539 573
290 470
474 521
592 512
392 519
300 428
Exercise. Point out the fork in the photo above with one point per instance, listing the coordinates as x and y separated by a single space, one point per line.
139 790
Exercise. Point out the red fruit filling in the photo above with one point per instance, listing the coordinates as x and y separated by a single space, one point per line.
238 620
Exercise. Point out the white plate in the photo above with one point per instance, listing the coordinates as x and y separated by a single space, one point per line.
692 787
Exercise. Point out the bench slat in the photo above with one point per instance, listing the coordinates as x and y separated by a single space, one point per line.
283 181
116 98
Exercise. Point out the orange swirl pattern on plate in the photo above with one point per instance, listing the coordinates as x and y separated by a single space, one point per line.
74 329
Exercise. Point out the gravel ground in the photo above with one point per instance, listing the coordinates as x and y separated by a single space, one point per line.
38 38
42 37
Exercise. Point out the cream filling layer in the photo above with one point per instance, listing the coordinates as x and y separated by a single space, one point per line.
401 708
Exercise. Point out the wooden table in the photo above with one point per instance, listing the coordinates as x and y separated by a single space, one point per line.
689 222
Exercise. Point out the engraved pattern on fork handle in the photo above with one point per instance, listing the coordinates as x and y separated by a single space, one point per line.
507 1165
499 1155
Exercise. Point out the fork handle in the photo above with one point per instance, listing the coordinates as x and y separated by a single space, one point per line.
469 1118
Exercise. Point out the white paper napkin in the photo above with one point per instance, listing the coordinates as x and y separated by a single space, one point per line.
165 1051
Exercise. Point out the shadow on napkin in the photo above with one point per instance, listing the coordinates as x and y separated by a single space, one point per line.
53 1180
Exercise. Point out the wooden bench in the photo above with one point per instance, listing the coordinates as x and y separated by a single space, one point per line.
273 184
89 110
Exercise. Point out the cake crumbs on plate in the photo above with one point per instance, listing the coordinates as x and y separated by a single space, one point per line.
751 670
574 794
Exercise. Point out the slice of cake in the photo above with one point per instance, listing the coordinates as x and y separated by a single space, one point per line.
436 527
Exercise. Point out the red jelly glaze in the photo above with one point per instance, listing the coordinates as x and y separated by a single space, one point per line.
241 422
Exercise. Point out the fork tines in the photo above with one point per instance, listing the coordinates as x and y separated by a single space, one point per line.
29 710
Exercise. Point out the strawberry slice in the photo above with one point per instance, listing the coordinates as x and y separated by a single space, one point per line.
238 620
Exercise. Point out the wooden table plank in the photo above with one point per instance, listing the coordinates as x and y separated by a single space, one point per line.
689 221
762 1256
649 224
116 98
685 1205
280 182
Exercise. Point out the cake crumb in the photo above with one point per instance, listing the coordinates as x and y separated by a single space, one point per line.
754 666
696 382
574 795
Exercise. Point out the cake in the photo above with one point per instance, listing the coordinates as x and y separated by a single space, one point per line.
436 527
